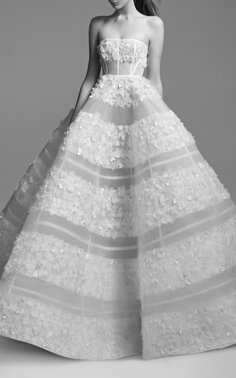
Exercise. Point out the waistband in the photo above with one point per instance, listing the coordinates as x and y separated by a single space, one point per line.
122 75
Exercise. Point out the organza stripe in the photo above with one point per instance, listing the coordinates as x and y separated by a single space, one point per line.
128 247
127 115
81 237
219 284
48 153
189 225
16 212
73 302
70 161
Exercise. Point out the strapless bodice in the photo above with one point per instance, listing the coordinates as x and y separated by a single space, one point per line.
123 56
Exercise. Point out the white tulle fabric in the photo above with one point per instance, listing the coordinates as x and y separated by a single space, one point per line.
120 239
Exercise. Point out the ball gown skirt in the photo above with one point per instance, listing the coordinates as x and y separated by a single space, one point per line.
120 239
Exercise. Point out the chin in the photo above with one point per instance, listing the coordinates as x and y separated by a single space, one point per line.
116 6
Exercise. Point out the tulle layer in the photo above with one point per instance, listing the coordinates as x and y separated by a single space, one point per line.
14 213
124 99
120 238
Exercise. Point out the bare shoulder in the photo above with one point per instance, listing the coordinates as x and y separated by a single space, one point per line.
156 23
156 30
96 22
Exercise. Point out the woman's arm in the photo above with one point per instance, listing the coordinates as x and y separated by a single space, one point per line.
155 53
93 69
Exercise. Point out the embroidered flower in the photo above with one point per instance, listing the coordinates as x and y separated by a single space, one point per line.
115 146
124 91
123 50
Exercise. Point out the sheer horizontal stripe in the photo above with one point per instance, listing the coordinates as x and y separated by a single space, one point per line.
189 225
68 160
80 236
157 117
101 176
127 116
127 247
121 172
190 295
42 161
15 212
48 154
51 147
70 301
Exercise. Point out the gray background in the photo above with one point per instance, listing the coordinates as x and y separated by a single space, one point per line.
43 60
44 54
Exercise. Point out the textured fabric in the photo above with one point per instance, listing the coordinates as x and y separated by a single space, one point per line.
120 239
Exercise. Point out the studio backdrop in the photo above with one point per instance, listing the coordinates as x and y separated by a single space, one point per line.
44 55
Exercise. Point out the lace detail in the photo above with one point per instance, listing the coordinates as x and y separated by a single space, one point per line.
106 211
120 212
191 329
122 60
115 146
123 91
176 193
68 334
120 52
70 267
108 49
189 260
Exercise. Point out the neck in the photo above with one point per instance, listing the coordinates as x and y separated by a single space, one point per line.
128 11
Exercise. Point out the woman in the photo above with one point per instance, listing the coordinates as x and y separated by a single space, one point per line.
125 21
125 246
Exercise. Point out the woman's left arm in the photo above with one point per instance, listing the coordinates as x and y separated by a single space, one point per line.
155 52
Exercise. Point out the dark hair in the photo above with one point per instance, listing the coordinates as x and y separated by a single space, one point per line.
148 7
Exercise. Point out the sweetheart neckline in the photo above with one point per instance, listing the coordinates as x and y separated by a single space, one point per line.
124 39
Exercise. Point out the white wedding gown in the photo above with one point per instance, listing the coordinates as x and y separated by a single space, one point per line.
120 239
